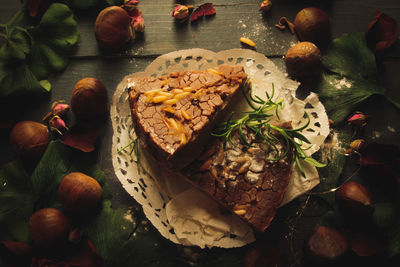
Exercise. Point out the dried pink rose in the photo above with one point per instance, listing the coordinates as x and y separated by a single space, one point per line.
180 12
266 6
130 5
138 25
57 124
358 119
60 108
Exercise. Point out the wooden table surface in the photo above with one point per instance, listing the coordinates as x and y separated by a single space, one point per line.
234 19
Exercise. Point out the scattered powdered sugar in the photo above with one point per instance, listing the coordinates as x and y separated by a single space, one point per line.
339 84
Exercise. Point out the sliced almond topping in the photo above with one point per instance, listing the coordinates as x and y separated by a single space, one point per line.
170 101
169 109
181 95
205 165
169 95
174 124
152 92
159 98
240 212
187 89
185 115
247 41
164 82
183 138
177 91
214 71
198 92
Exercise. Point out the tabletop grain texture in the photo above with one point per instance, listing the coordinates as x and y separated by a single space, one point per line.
234 19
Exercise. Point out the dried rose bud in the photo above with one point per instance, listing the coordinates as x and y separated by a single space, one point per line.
138 25
266 5
57 124
358 119
180 12
356 145
59 108
130 5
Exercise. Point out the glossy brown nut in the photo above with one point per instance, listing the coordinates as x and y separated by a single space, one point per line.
355 198
79 193
113 28
313 25
29 139
303 60
89 98
49 228
326 244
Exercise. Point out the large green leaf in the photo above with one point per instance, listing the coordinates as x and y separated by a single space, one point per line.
351 76
330 174
17 78
17 43
55 35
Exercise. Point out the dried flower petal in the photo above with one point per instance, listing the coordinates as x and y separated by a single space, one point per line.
57 124
203 10
180 12
367 243
266 5
138 25
36 8
82 137
135 13
130 5
375 154
59 108
382 32
15 253
247 41
358 119
356 145
283 22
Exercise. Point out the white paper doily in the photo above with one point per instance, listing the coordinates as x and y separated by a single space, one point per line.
180 212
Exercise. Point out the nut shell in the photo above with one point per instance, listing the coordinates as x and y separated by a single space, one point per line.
29 139
89 99
113 27
49 228
313 25
79 193
303 60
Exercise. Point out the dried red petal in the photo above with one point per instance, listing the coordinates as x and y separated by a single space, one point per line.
82 137
15 253
36 8
382 32
135 13
206 9
375 154
367 244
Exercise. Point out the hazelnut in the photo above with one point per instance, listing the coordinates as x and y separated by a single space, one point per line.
303 60
355 198
79 193
313 25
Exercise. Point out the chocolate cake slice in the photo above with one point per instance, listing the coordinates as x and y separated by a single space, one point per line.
248 180
173 115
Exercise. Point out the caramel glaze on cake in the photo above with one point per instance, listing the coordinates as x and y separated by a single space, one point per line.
246 180
173 115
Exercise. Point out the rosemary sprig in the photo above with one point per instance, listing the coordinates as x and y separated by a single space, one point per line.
258 121
135 149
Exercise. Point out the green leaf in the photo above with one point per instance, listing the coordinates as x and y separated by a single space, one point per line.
46 85
394 242
384 215
18 79
351 76
54 36
17 44
335 159
350 56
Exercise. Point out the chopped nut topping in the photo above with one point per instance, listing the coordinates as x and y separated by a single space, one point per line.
240 212
159 98
185 115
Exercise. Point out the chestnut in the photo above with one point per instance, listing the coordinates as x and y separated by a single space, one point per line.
49 228
303 60
113 28
79 193
326 244
355 198
89 99
312 24
29 139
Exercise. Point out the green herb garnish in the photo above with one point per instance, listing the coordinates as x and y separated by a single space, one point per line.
135 149
258 121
